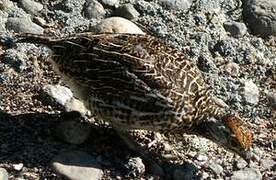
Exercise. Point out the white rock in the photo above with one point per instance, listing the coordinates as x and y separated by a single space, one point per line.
18 167
117 25
4 174
61 94
74 104
111 2
251 92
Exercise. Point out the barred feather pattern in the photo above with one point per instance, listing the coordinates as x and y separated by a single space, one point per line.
133 81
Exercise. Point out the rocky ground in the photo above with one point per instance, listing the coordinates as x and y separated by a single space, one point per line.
232 43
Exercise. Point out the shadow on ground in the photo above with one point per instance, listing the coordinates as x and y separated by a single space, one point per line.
30 139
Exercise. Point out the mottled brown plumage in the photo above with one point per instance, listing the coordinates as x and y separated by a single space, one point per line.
139 82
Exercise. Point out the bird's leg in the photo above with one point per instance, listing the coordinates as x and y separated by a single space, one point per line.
134 146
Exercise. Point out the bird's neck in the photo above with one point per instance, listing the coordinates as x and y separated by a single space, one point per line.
209 106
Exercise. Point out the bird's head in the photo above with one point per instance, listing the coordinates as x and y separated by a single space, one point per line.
231 133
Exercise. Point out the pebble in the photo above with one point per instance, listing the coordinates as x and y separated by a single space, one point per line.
177 4
76 105
199 143
73 132
117 25
31 7
114 3
251 92
241 163
205 64
135 167
267 163
236 29
201 157
77 165
186 171
58 93
204 175
247 174
93 9
4 174
261 16
216 168
272 99
233 69
127 11
23 25
18 167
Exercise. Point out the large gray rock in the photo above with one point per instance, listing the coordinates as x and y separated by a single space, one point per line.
236 29
77 165
4 174
127 11
93 9
247 174
177 4
31 7
23 25
260 16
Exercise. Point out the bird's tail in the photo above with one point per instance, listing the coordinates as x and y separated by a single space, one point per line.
34 38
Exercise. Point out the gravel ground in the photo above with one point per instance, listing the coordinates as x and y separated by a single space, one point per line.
236 57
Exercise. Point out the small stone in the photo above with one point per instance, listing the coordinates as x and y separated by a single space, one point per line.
247 174
216 168
114 3
73 132
205 175
261 16
77 165
199 143
205 64
201 157
135 167
232 69
31 7
117 25
267 163
251 92
23 25
127 11
177 4
58 93
18 167
187 171
272 99
4 174
93 9
236 29
241 163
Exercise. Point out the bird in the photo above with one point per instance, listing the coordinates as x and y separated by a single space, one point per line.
138 81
